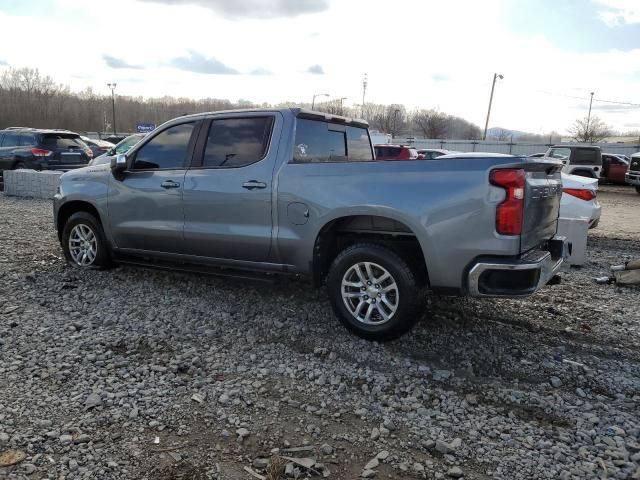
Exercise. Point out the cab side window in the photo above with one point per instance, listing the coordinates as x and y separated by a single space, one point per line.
237 142
167 150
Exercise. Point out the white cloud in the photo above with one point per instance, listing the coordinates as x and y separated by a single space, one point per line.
441 68
619 12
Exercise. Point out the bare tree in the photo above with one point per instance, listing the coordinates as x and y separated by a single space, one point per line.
501 134
431 123
589 131
551 137
334 107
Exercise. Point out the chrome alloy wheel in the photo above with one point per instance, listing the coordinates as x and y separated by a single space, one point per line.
83 245
370 293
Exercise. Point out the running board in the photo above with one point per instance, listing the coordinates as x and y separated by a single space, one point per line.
268 278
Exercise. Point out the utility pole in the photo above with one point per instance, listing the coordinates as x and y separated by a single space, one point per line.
313 102
587 135
112 86
364 91
493 86
395 116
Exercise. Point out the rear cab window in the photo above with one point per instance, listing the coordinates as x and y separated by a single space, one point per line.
320 141
62 141
586 156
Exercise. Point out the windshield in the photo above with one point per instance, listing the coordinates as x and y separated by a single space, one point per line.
560 153
125 145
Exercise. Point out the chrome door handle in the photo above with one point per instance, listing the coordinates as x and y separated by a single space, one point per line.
251 184
169 184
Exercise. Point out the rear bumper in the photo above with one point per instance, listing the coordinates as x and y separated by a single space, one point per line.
517 277
632 178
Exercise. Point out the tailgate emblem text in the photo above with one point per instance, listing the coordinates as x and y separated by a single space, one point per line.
546 192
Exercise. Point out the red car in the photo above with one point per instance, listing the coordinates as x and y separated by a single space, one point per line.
613 169
395 152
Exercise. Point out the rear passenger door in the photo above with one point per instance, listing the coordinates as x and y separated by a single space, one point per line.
228 189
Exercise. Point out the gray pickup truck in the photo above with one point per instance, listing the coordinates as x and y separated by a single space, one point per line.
298 192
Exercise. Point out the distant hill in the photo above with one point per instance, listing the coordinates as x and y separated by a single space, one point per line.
497 132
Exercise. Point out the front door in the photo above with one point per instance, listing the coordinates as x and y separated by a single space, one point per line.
145 201
227 194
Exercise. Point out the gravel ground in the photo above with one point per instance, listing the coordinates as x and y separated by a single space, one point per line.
134 373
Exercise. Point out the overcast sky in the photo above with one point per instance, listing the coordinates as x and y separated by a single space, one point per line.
421 53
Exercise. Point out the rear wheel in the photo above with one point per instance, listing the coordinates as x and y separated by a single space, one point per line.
374 293
83 242
19 165
638 189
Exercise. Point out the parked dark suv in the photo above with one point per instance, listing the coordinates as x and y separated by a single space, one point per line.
42 149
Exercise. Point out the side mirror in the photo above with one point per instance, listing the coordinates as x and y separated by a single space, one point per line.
119 163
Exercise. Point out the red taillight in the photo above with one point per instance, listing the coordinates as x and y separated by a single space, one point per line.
40 152
582 194
509 212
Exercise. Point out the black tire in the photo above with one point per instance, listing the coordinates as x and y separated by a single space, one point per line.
638 189
102 258
19 165
410 294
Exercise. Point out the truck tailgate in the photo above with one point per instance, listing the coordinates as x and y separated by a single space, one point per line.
542 204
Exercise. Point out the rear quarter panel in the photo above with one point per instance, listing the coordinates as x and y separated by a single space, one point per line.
448 204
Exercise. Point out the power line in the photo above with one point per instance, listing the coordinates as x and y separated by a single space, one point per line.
595 99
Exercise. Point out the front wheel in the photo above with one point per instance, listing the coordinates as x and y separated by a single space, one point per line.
374 293
83 242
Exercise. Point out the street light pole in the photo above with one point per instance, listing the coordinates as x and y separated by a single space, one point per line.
313 102
493 86
112 86
342 99
587 136
395 116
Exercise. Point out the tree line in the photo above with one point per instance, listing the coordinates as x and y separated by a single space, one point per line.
29 98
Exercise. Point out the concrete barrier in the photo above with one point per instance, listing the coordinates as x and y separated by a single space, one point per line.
29 183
